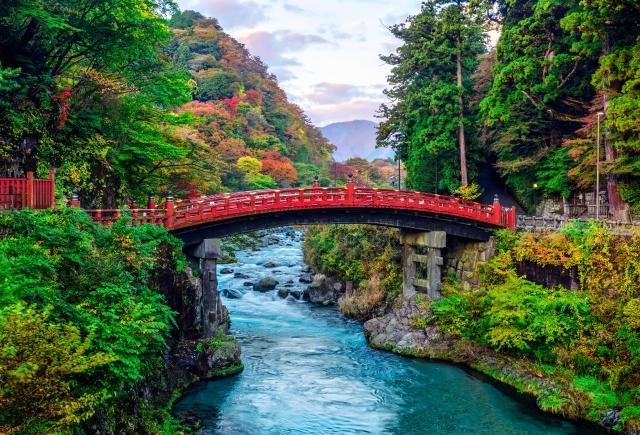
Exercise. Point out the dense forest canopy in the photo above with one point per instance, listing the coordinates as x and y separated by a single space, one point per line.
530 104
123 101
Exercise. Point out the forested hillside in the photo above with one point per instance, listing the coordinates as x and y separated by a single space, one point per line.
529 106
242 113
122 102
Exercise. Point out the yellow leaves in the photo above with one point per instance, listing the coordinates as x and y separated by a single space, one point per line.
37 358
632 313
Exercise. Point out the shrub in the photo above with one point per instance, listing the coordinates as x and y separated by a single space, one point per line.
93 327
39 361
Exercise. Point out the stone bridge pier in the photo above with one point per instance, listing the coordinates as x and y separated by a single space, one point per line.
430 256
212 314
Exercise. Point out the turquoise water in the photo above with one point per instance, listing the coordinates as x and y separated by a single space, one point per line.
308 370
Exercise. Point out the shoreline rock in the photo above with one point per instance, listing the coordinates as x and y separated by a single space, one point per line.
323 290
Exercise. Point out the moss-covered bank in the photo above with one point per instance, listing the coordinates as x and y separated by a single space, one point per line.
577 351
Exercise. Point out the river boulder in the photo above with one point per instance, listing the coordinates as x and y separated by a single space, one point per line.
226 271
270 265
323 290
265 284
306 278
232 293
283 293
296 294
396 330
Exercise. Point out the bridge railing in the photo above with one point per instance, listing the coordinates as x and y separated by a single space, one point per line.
223 206
17 193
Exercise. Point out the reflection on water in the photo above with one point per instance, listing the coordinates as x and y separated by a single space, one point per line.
309 371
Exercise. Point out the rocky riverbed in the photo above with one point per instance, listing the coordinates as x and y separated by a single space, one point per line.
309 370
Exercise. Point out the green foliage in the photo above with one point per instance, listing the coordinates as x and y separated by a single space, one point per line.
422 124
527 317
86 287
366 255
590 338
469 192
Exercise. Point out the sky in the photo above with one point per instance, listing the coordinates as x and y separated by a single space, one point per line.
325 53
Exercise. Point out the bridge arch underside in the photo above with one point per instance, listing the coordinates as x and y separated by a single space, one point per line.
403 219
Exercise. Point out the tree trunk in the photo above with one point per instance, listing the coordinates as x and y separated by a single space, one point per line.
463 147
618 208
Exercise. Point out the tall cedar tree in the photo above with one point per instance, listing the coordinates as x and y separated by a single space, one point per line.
430 90
539 94
609 31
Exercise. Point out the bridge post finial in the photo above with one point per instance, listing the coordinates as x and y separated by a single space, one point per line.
350 189
151 201
169 210
497 208
316 183
75 202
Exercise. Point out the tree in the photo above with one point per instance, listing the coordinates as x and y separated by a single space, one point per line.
38 361
279 168
249 165
539 93
606 31
430 86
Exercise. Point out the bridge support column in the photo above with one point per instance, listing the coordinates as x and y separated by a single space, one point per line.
422 262
206 255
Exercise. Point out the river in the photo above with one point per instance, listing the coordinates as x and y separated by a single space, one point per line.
308 370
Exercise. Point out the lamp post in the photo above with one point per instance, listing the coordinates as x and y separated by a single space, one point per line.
600 114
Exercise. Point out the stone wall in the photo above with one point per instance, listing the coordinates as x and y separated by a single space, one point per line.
464 258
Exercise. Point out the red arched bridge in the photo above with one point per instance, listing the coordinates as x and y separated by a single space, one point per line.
223 214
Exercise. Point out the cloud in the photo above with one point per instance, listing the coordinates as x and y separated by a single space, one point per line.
331 93
231 13
283 74
273 47
357 109
289 7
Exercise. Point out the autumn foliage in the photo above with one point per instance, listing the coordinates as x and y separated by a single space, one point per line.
278 167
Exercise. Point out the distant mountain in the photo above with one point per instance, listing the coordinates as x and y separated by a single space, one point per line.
355 139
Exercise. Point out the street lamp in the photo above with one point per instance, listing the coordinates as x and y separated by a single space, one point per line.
600 114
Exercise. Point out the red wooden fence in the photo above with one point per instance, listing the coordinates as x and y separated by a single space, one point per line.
16 193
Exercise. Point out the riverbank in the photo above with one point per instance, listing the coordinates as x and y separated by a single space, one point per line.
398 332
576 351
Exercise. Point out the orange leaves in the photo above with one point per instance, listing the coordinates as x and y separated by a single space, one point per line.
278 167
232 149
64 106
208 109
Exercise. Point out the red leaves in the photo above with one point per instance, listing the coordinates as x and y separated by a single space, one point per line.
253 97
232 104
208 109
64 105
